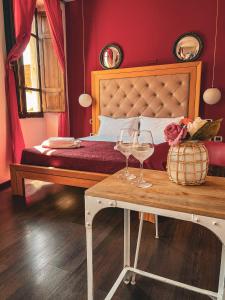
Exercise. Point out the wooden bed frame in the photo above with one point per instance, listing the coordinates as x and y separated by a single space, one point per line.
19 172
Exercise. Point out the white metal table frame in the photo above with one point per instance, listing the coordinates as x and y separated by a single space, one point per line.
94 204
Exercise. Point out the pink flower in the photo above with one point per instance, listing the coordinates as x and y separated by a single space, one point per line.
174 133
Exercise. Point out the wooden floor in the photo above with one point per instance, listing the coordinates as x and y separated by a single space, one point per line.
42 252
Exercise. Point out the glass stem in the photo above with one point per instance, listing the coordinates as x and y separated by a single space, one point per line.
126 169
141 172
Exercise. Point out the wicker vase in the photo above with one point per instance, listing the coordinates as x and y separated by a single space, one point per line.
187 163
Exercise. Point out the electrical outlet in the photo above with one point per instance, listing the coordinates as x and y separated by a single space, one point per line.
218 138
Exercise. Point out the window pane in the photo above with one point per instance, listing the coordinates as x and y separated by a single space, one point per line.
33 101
31 78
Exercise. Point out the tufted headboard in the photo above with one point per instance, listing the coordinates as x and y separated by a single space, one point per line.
156 91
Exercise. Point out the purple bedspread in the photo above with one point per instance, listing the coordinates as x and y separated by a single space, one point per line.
92 156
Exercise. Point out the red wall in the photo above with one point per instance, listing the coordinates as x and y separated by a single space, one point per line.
146 30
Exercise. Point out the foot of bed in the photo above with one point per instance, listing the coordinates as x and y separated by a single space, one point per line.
17 182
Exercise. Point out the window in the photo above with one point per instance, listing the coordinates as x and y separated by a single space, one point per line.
38 75
29 76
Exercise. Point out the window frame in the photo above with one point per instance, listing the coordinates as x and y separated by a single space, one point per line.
20 80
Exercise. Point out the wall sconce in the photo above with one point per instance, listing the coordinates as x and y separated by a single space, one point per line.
85 99
213 95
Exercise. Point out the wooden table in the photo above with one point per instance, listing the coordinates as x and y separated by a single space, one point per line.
203 204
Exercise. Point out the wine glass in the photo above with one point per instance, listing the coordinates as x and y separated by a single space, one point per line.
142 148
124 144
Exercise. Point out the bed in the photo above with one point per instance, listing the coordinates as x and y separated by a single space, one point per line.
92 156
158 91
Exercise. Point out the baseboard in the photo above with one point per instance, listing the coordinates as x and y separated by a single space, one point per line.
5 185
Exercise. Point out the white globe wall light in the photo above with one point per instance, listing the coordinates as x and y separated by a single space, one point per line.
213 95
85 99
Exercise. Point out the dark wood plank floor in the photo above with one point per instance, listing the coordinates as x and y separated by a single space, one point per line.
42 252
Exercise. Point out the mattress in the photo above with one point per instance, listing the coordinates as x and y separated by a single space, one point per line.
92 156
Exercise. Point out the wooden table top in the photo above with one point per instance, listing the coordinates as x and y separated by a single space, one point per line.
207 199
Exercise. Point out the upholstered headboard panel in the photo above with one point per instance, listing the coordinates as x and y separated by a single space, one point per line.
151 96
154 91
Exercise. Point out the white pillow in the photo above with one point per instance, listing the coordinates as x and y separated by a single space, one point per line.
110 127
157 126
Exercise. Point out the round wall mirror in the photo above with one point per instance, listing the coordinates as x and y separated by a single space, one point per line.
111 56
188 47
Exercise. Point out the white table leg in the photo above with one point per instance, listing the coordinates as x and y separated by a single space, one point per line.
126 243
137 247
89 262
221 292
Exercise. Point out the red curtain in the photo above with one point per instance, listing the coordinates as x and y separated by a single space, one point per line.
54 15
23 16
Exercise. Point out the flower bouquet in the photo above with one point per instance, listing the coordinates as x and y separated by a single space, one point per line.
187 161
188 130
